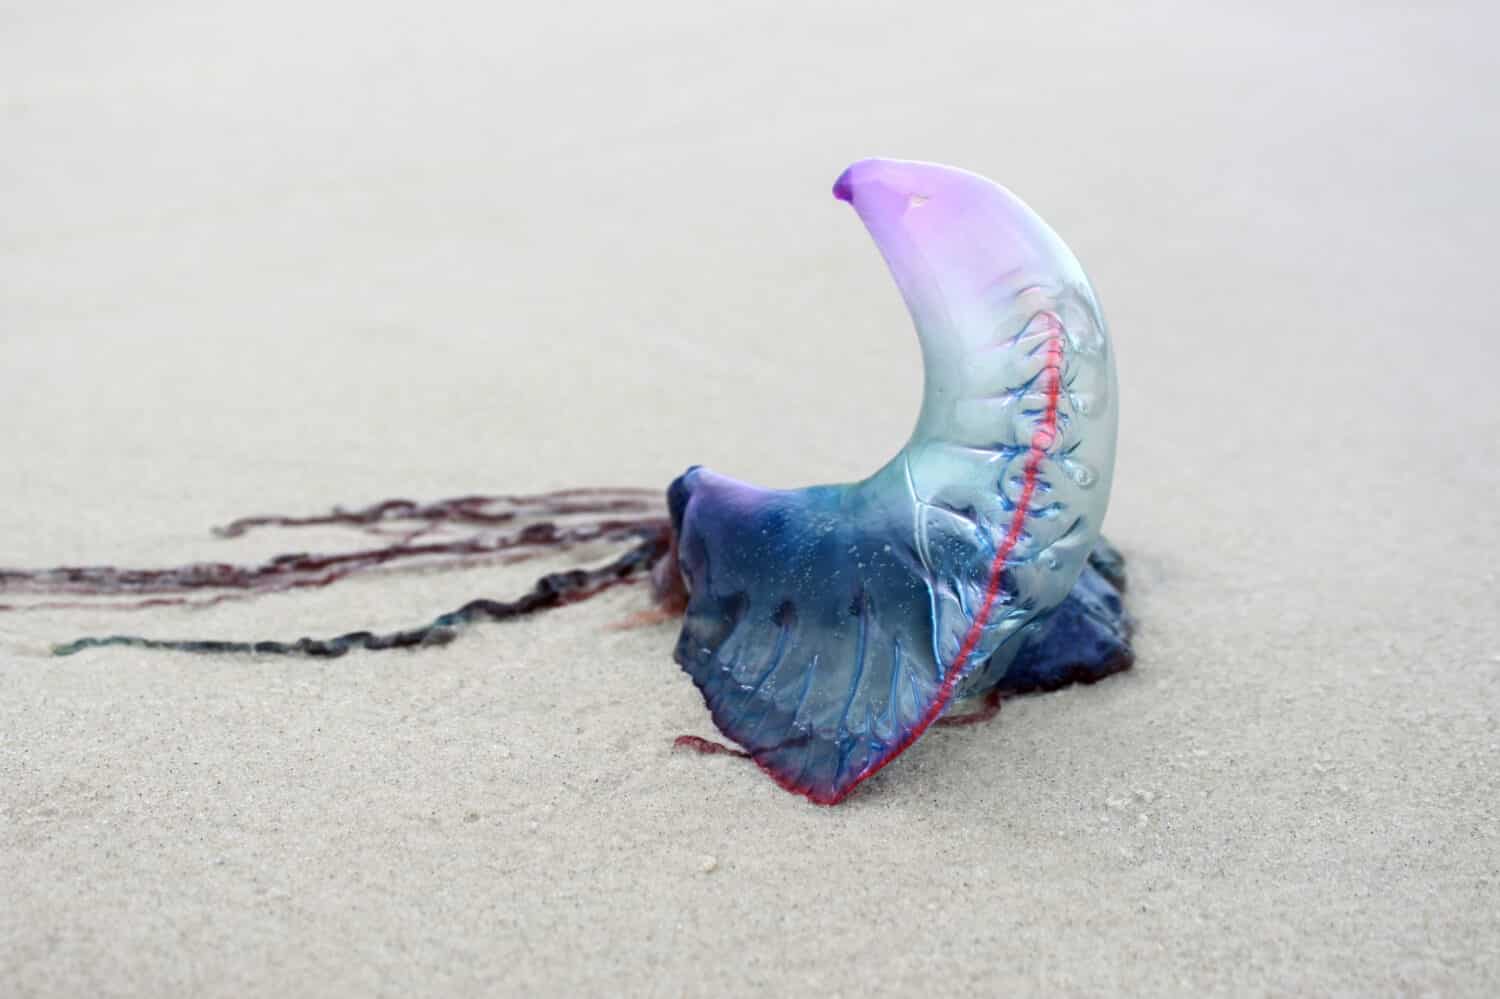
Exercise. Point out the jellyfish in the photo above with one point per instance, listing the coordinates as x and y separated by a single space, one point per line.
827 628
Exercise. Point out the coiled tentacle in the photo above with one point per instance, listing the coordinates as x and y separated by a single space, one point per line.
552 590
461 532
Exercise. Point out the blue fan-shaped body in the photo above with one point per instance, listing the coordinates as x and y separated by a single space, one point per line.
829 627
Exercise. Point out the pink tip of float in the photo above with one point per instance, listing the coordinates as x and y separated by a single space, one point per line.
842 188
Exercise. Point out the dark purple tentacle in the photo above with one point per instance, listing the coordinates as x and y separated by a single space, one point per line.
597 517
479 510
501 529
552 590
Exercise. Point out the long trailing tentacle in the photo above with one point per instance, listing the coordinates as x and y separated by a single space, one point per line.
598 515
455 533
552 590
479 510
293 571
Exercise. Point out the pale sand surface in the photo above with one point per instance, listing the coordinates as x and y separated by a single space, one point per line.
278 256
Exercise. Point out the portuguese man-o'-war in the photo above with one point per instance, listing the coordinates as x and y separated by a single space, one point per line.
827 628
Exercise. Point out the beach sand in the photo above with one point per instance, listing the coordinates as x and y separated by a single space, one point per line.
279 258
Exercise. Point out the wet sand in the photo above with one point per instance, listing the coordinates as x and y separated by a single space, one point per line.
316 254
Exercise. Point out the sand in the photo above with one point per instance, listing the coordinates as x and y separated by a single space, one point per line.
281 257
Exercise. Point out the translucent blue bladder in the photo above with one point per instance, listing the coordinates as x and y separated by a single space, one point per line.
828 628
